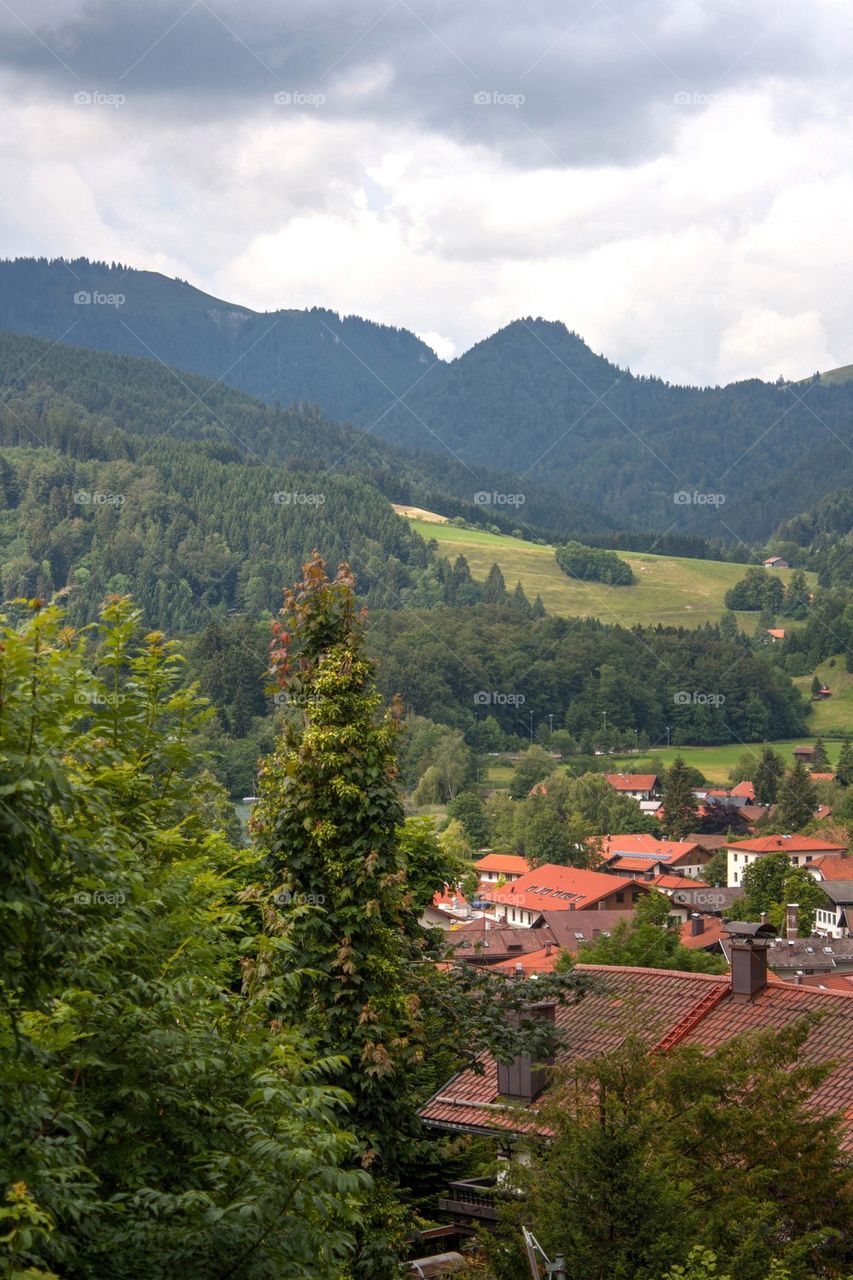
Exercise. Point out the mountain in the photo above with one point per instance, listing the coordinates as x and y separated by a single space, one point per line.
351 367
533 401
144 397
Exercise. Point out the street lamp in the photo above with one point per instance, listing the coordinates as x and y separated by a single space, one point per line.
667 735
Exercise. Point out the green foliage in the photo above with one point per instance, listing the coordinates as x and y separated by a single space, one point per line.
801 887
758 590
467 807
844 767
716 869
680 805
820 760
797 799
594 565
763 883
534 766
647 943
656 1162
156 1120
768 775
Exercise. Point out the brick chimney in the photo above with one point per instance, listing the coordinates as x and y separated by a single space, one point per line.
521 1080
697 924
749 943
792 921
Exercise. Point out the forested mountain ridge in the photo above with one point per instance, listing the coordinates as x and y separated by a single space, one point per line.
43 384
532 401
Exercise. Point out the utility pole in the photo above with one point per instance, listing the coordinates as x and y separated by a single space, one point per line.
667 735
555 1270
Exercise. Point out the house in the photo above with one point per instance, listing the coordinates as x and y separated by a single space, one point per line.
824 691
483 942
666 1008
700 932
800 849
776 562
500 866
772 634
791 959
555 888
832 866
834 921
804 754
720 795
632 855
639 786
452 903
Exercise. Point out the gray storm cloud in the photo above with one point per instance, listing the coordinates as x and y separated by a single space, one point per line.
546 83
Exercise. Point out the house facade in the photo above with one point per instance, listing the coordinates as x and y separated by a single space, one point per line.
555 888
801 851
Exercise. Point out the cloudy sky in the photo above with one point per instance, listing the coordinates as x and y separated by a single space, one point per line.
673 179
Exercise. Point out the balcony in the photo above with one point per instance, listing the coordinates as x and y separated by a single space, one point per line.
471 1202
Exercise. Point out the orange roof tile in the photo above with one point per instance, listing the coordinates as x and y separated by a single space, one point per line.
632 781
542 961
555 888
788 844
502 863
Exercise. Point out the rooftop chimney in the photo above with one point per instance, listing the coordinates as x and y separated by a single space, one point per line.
763 917
520 1079
792 921
547 948
697 924
749 943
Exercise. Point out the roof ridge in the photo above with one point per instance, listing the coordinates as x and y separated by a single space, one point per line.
721 978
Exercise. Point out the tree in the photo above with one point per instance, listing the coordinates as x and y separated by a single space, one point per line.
468 808
768 774
429 862
651 1156
796 596
680 806
494 589
534 766
646 942
764 883
159 1116
820 760
327 820
728 626
716 869
801 887
744 770
844 768
816 686
797 798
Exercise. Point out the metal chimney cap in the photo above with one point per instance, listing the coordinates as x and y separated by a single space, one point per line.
749 929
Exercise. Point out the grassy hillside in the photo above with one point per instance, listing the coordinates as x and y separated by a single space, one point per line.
843 374
668 590
835 713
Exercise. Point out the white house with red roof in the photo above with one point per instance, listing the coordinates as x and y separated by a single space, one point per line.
554 888
500 866
801 850
639 786
635 855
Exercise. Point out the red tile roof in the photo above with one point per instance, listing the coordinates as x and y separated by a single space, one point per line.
542 961
664 1007
551 887
502 863
744 789
789 844
634 848
713 932
833 866
676 882
632 781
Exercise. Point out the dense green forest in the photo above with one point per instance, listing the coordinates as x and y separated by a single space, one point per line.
730 463
591 564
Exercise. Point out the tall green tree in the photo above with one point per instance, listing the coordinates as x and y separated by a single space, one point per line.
764 883
158 1117
768 774
820 760
844 768
679 803
797 798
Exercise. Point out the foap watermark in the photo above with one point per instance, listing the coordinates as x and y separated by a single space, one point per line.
497 98
285 898
486 499
292 498
90 698
281 698
694 98
83 498
692 698
699 898
297 98
99 898
482 698
684 498
95 98
83 298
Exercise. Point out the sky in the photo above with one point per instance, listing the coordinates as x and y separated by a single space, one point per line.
672 179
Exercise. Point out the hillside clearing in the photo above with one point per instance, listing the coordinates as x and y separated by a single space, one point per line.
669 590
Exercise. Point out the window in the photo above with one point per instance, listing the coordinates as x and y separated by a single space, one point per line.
620 897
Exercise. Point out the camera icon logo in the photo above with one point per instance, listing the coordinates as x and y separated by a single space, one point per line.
82 297
482 99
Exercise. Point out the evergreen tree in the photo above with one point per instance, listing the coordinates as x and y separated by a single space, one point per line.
844 768
797 799
679 803
494 589
728 626
468 808
796 598
768 774
538 609
820 760
816 686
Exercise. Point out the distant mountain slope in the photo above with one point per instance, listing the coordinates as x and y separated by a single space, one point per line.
141 396
532 401
349 366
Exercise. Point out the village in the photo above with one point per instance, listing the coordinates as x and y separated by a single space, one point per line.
526 921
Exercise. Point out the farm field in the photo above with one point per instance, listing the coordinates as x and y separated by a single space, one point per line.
669 590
